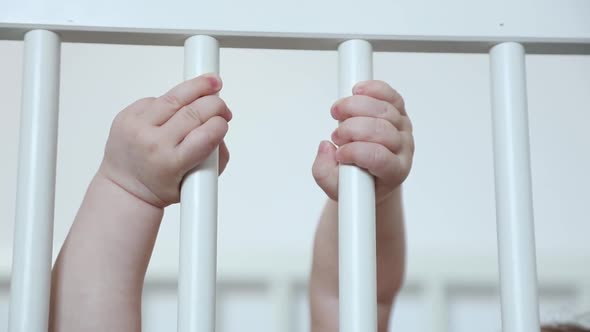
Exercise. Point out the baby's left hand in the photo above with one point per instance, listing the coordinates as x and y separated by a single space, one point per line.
375 134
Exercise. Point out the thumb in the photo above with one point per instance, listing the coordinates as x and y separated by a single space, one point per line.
325 169
223 157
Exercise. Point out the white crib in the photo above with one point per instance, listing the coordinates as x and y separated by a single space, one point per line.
504 29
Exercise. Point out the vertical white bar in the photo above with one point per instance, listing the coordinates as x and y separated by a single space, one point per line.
356 211
33 235
437 297
282 299
198 214
514 204
583 299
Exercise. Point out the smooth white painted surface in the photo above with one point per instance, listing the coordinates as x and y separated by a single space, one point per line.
356 211
514 201
198 214
35 194
448 20
3 307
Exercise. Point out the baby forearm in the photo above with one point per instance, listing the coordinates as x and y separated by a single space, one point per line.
390 263
98 276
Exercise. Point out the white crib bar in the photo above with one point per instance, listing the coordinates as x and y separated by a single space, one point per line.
356 210
438 304
33 235
198 214
514 207
281 294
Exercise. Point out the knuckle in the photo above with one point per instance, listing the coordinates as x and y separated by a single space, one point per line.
400 103
378 158
346 153
395 117
224 124
146 100
167 167
215 104
173 164
399 97
383 127
147 140
174 161
171 100
152 147
215 133
386 108
407 123
218 104
316 171
192 113
320 173
124 124
223 128
120 120
396 141
141 103
209 140
343 132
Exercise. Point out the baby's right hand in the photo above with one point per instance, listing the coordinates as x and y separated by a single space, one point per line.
154 142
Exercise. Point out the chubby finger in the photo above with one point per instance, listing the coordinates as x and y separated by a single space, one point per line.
201 142
325 169
223 156
382 91
165 106
364 129
193 115
375 158
366 106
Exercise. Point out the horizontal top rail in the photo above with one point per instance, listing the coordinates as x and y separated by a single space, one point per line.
450 26
297 41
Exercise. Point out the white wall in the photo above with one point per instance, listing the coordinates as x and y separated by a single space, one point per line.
280 99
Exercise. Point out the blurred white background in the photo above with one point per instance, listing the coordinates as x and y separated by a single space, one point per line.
269 203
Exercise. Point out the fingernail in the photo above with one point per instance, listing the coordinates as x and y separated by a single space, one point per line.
324 147
335 135
214 81
358 89
335 108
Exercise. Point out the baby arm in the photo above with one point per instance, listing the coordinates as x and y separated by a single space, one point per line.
98 276
375 133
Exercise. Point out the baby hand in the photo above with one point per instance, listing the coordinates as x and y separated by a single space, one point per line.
154 142
375 134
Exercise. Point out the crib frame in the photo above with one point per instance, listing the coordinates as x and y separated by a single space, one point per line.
490 28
